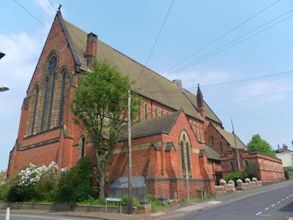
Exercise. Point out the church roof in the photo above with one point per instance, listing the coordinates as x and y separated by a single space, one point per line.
209 112
210 153
229 137
158 125
145 81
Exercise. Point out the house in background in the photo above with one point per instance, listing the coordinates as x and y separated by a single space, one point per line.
178 141
286 155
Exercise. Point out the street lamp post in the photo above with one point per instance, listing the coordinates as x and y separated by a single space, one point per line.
3 88
129 205
2 54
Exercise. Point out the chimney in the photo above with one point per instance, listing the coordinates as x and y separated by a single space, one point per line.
178 83
91 49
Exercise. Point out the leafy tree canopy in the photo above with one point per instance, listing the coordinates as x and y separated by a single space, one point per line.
100 103
257 144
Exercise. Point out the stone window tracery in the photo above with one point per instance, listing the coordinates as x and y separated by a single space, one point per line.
185 154
33 110
49 92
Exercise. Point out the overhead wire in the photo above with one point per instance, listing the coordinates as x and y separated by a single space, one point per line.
239 40
159 33
28 12
242 23
52 6
231 81
156 40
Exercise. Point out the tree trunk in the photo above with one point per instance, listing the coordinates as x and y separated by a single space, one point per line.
102 184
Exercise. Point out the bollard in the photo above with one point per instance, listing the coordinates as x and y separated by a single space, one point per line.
7 213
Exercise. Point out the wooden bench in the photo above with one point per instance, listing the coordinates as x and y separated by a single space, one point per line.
117 200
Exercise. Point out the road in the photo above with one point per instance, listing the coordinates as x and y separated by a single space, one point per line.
41 217
276 204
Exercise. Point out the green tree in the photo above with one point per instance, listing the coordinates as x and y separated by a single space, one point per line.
2 176
100 103
257 144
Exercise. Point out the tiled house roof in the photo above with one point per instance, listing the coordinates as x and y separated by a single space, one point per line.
229 137
158 125
210 153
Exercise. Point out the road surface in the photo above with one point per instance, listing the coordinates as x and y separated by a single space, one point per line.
276 204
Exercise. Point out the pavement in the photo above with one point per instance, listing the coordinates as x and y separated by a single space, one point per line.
269 202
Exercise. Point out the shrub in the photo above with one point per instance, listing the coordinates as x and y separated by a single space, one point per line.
33 184
4 190
251 171
235 176
75 184
135 202
288 172
157 205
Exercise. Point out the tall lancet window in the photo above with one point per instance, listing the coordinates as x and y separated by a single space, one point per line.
33 109
49 92
62 96
185 154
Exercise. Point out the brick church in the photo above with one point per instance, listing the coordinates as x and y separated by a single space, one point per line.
177 139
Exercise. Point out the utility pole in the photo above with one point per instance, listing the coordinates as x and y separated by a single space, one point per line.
3 88
129 205
236 149
187 184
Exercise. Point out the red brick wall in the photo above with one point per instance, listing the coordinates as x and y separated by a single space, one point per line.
162 169
269 169
220 145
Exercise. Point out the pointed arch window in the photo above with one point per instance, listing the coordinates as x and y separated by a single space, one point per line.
49 92
33 110
62 96
82 146
185 154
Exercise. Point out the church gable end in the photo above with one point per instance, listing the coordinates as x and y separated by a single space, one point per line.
49 84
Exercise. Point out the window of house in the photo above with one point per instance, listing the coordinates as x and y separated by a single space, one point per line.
246 163
145 111
212 143
138 114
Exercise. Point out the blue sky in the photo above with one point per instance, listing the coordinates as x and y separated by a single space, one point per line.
261 105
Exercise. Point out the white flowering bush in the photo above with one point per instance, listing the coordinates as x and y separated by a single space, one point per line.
34 183
33 174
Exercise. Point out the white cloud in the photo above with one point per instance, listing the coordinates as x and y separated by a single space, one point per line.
265 91
21 51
